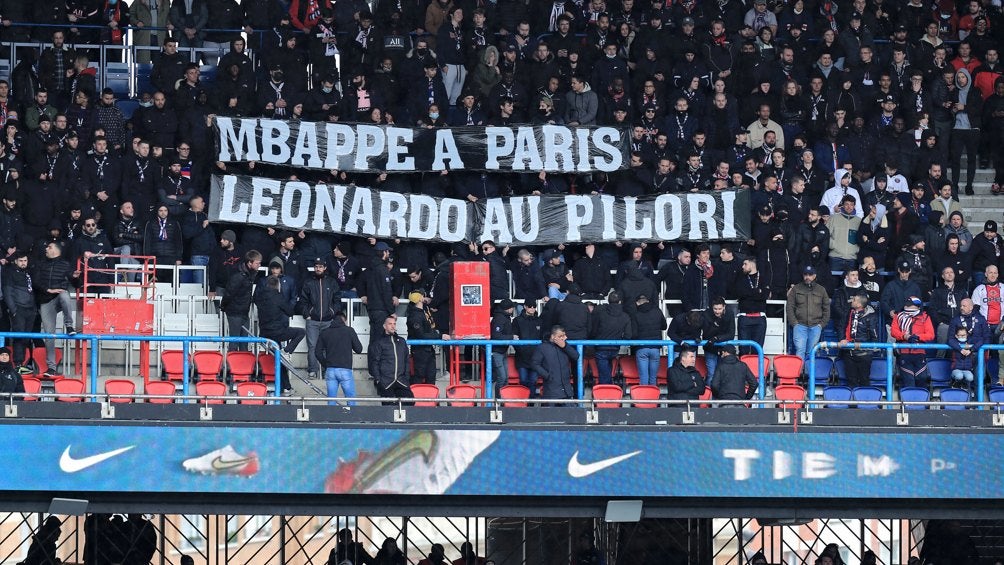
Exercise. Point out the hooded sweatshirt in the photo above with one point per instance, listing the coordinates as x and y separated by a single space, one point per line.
962 120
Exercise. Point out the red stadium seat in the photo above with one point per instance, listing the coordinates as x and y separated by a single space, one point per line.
208 365
38 356
510 367
241 365
69 386
211 388
608 392
120 386
518 392
751 362
788 369
255 393
701 366
173 361
627 366
789 393
32 385
645 392
160 388
425 391
706 395
462 391
266 365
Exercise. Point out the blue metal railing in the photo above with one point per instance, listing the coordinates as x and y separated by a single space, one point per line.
981 367
185 341
580 345
890 349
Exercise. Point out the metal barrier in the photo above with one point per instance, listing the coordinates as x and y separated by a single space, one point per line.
890 348
981 367
580 345
185 341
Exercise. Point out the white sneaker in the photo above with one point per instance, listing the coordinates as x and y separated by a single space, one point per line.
287 358
224 461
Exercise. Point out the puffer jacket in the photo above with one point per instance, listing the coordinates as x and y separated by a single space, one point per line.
733 380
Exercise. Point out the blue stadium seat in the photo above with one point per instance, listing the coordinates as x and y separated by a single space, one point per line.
878 375
996 394
955 395
837 393
940 371
914 394
824 366
867 393
841 370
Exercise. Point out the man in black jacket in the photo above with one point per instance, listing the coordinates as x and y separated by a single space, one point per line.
527 326
335 347
422 326
10 380
52 281
718 325
501 330
320 301
592 275
685 383
609 322
18 296
732 379
93 247
236 302
552 361
199 239
387 360
274 312
377 293
162 239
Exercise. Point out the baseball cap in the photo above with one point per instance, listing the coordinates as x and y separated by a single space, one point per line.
506 304
990 226
319 261
915 301
529 303
904 266
381 246
687 21
809 270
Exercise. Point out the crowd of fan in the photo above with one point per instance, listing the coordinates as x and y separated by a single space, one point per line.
842 117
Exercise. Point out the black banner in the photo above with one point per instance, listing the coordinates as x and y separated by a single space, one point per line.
518 220
388 149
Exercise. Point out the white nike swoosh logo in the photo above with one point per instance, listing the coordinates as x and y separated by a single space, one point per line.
579 470
70 465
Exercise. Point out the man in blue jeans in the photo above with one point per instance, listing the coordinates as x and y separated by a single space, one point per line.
335 346
808 307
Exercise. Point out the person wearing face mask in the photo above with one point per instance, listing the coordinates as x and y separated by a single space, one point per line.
433 118
275 93
322 99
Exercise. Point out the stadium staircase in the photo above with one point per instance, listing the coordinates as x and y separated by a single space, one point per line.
983 205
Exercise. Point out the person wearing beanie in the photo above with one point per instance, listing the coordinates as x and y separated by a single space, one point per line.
19 297
320 302
913 325
421 325
224 261
10 380
986 250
